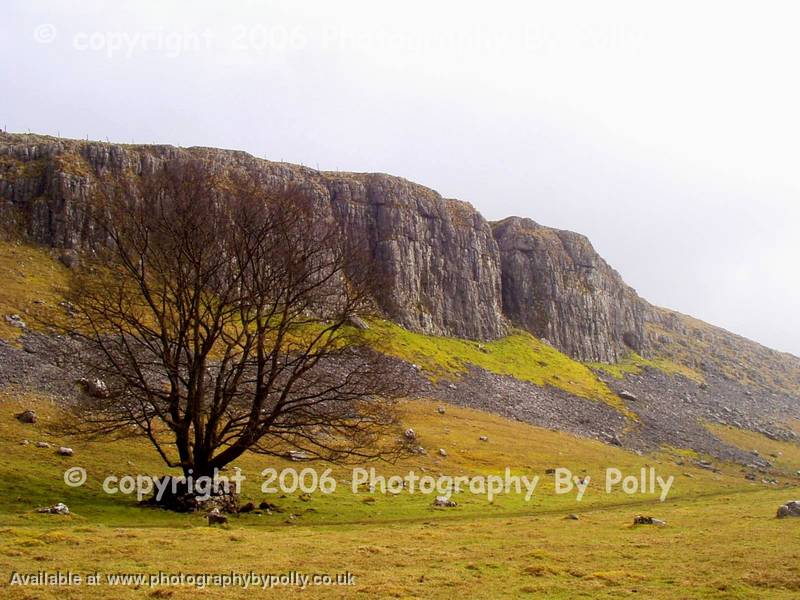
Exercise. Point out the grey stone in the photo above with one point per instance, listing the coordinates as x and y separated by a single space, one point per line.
215 517
790 509
444 502
16 321
95 387
27 416
56 509
357 322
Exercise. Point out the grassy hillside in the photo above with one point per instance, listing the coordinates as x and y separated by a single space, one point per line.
32 284
635 364
687 341
519 355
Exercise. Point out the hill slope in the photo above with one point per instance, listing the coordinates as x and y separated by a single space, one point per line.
467 293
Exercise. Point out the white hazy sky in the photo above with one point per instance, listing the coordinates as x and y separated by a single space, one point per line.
668 132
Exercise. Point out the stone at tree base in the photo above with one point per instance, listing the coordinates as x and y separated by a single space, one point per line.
790 509
215 517
176 497
27 416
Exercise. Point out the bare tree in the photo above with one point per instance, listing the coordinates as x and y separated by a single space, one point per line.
220 319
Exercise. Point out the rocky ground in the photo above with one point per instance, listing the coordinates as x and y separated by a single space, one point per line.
671 410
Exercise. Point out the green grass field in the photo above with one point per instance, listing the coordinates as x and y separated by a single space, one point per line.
721 540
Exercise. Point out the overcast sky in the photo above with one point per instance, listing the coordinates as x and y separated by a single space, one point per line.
668 132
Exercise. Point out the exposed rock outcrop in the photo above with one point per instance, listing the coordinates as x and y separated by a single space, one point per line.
448 271
556 286
439 255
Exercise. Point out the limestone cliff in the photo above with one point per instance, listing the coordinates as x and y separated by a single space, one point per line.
449 272
556 286
440 256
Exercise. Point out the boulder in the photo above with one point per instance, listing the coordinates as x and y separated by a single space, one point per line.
357 322
16 321
625 395
96 388
249 507
640 520
215 517
69 258
444 502
483 438
298 455
790 509
26 416
56 509
410 434
440 410
42 445
64 451
442 452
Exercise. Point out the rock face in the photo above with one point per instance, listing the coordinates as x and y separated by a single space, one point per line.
439 256
556 286
448 272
